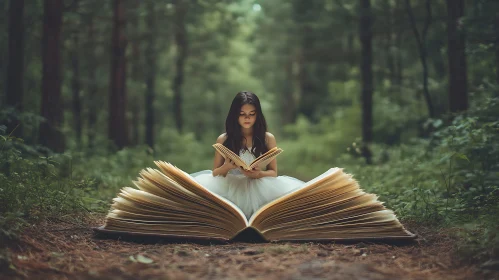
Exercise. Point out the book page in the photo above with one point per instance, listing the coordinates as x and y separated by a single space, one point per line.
296 193
227 153
263 160
170 202
155 182
330 207
192 185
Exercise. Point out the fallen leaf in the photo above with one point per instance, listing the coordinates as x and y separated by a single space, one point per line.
143 259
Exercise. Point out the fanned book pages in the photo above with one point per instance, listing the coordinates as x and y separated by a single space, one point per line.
260 161
169 202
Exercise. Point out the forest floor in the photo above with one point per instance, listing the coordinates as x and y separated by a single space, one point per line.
64 249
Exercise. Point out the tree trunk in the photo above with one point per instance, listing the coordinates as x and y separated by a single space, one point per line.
151 76
288 105
367 77
92 86
423 51
458 83
182 52
117 99
399 60
76 88
390 61
308 91
312 72
52 110
351 52
136 104
496 45
497 63
137 76
15 64
398 45
312 81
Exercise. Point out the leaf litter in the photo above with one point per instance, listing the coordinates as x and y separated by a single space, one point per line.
50 250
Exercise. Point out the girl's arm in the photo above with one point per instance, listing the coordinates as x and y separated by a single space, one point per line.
221 166
271 167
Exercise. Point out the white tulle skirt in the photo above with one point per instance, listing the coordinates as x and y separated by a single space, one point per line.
248 194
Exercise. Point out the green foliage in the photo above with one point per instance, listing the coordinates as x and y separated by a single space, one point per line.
29 121
11 224
481 27
479 240
311 148
106 172
450 179
34 187
447 180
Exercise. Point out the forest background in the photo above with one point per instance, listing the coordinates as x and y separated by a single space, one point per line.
403 94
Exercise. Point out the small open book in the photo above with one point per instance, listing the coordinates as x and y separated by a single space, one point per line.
170 203
260 161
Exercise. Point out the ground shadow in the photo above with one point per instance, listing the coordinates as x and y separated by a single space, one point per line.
249 235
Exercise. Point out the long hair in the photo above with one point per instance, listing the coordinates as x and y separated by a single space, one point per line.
233 129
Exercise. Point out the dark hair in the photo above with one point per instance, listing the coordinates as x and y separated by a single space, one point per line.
233 129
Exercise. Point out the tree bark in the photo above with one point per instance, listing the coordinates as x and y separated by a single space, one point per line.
458 82
136 104
92 85
76 88
496 45
182 52
497 63
52 110
351 52
288 105
390 61
15 64
308 90
423 51
151 76
137 77
398 44
367 77
117 99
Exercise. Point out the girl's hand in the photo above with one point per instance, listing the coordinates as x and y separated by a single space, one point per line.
229 164
254 174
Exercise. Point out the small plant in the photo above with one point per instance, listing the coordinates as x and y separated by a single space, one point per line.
34 187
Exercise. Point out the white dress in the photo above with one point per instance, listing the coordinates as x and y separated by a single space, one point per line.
247 193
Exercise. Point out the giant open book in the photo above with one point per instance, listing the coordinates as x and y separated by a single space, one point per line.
169 202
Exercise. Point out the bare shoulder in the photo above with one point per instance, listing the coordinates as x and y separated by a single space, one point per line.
270 140
269 136
221 139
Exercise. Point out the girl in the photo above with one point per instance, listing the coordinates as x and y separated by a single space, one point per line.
246 134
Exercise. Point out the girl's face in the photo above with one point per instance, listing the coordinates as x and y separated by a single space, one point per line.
247 116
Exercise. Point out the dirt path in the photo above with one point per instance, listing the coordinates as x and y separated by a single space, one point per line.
67 250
